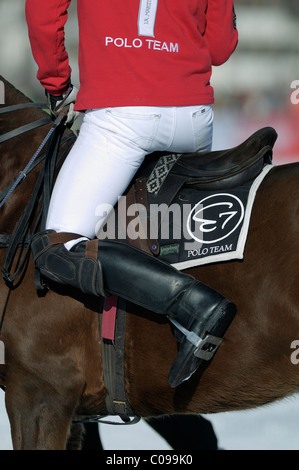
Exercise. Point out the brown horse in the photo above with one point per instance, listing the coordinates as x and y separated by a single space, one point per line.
53 370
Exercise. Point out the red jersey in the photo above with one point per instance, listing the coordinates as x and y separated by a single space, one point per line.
134 52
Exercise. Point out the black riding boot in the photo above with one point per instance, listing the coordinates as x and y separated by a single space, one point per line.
101 267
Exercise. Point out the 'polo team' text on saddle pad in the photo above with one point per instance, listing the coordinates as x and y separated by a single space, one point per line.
202 227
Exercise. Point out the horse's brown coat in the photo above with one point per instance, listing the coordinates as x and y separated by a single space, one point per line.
53 356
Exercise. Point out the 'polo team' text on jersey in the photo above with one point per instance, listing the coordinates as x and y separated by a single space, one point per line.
134 52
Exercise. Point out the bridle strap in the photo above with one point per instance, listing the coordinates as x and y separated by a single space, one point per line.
16 107
27 127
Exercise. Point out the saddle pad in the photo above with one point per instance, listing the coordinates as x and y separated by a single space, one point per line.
202 227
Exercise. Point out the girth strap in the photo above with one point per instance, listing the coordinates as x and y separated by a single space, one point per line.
113 368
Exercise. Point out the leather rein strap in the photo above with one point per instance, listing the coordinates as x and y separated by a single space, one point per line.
40 194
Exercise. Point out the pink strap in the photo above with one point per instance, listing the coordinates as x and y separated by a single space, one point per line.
109 317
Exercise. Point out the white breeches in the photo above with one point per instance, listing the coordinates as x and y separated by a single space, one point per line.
111 146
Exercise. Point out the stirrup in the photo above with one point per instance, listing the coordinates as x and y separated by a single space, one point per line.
205 347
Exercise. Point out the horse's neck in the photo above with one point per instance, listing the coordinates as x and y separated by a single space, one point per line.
12 95
16 152
15 119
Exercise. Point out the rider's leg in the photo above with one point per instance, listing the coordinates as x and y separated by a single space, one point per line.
110 148
100 267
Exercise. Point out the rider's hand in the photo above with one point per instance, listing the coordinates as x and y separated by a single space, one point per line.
64 102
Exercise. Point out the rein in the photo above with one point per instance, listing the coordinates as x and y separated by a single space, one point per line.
28 127
41 192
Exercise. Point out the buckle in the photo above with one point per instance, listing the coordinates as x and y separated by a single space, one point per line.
207 347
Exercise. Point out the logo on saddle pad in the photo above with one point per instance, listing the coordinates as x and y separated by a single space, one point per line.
215 217
215 226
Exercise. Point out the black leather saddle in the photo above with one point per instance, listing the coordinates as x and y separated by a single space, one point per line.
228 168
162 175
